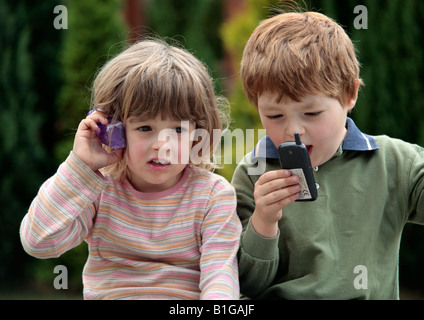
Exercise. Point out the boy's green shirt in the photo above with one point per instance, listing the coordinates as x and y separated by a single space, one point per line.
344 245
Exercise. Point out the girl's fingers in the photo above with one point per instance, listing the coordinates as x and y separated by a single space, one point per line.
98 116
88 125
92 120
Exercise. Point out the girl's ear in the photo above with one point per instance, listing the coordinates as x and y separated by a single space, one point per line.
352 99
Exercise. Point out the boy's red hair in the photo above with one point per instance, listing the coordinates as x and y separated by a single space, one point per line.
297 54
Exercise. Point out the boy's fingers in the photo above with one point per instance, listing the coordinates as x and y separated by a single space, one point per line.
273 175
279 195
275 179
274 185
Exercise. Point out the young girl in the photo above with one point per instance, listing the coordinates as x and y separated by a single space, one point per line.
159 225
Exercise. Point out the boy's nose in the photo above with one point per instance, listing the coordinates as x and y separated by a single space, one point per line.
291 129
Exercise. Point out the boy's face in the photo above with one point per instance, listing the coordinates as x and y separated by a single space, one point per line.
320 121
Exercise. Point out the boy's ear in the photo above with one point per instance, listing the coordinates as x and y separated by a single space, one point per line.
352 99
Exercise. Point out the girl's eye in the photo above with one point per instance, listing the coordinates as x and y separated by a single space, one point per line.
144 128
180 129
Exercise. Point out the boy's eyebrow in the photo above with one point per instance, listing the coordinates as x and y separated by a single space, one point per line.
308 106
272 107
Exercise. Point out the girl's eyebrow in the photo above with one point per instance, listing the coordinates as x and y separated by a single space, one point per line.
133 120
171 123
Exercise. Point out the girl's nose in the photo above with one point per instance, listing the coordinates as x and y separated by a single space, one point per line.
158 144
164 139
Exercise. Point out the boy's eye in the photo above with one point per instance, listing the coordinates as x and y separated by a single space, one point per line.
312 114
275 116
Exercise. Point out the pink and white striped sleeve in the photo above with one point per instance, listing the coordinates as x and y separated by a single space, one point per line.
61 215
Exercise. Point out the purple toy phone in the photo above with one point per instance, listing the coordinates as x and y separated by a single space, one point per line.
112 134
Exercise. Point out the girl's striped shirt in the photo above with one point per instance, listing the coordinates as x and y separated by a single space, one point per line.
181 243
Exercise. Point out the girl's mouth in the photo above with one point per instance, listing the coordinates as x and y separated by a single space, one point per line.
158 164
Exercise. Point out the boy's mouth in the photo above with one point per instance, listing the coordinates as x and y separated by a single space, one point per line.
310 149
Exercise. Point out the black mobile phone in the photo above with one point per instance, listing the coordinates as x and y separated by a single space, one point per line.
112 134
294 157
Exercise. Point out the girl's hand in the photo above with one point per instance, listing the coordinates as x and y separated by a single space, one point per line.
87 145
274 190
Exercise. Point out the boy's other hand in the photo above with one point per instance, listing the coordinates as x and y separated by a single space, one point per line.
88 147
274 190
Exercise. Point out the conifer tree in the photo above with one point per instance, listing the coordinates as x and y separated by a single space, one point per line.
27 47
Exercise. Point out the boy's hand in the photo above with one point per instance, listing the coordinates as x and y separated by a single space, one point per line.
87 145
274 190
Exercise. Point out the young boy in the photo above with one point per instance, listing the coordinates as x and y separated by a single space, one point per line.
300 71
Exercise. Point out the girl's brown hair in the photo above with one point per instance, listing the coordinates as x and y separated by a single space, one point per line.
153 78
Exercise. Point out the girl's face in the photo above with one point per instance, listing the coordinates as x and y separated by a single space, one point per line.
158 150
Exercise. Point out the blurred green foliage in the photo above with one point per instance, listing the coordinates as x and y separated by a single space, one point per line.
96 33
193 23
28 78
235 32
46 75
